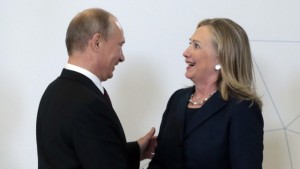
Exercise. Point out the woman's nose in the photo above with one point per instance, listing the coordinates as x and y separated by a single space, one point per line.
186 53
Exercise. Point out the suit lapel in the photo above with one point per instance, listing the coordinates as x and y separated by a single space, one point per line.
211 107
86 82
180 111
82 79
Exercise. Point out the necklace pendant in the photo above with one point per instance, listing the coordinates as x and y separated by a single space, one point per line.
201 102
194 103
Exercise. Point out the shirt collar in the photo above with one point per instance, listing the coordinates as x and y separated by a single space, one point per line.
86 73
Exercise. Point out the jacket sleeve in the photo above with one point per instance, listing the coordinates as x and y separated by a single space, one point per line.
133 154
246 137
98 139
157 161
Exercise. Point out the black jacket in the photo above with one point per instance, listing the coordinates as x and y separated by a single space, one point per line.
221 135
78 129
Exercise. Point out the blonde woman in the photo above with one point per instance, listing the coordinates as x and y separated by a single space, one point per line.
217 123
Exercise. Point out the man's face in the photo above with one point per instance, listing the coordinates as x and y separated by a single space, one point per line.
111 52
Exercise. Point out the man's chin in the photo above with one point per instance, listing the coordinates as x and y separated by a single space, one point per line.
103 79
109 76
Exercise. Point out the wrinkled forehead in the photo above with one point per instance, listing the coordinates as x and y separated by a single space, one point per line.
118 24
117 30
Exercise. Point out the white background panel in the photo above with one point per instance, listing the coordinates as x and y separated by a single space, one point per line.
272 119
279 67
32 52
295 125
276 151
294 140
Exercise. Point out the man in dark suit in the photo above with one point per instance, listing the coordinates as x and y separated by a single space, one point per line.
77 126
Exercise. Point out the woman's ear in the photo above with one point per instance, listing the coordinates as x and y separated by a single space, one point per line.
218 67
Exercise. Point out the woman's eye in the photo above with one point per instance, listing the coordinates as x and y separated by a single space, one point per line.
196 45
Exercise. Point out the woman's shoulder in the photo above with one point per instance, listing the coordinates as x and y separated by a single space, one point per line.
243 105
182 91
185 90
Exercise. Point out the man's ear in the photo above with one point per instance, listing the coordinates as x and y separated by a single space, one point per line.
97 41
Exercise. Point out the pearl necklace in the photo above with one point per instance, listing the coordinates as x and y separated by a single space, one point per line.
202 102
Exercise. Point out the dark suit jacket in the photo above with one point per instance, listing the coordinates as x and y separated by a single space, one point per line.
78 129
221 135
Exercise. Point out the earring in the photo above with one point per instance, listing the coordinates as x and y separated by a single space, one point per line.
218 67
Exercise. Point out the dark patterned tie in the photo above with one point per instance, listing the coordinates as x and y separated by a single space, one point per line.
106 96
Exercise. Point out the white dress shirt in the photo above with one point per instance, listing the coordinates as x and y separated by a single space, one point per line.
86 73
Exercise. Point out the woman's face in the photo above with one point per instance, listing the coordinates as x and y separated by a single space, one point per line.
201 57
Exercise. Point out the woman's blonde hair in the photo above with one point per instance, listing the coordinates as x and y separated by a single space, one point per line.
234 55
